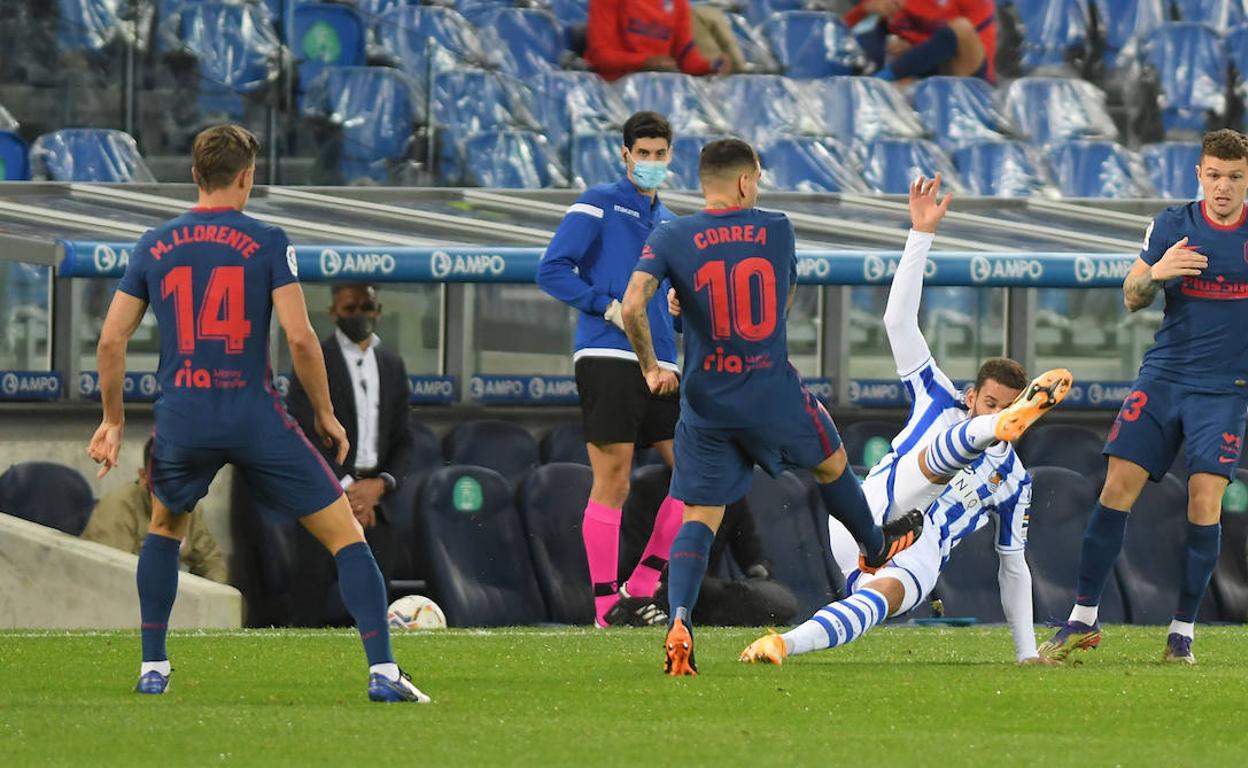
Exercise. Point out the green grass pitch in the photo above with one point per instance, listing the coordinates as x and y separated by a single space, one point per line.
546 697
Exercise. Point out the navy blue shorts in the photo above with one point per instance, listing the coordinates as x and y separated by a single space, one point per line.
1159 415
283 469
715 466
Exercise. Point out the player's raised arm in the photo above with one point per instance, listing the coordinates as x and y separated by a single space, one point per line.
641 287
309 361
901 316
124 316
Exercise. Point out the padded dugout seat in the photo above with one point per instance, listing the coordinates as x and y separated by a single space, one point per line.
48 494
786 524
504 447
476 550
552 505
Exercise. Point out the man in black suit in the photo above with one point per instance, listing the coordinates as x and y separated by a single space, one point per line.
368 387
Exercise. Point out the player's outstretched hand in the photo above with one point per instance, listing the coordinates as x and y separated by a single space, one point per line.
105 447
331 433
1178 261
673 304
926 207
662 382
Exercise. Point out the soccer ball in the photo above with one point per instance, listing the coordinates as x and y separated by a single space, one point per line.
415 612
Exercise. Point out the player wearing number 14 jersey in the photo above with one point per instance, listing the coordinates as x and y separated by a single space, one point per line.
734 271
213 277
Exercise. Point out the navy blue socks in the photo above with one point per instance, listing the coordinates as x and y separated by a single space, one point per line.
1204 542
685 569
1102 541
844 500
364 593
157 579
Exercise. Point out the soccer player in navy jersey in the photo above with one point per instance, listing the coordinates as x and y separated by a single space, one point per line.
213 277
1192 390
734 270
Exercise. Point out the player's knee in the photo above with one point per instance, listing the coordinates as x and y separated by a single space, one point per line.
1204 499
1123 483
963 29
611 489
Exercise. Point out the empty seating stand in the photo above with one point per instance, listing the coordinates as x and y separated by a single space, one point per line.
88 154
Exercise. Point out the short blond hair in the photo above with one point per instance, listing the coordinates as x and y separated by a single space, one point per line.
220 153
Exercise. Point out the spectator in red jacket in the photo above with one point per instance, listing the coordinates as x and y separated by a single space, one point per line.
627 36
919 38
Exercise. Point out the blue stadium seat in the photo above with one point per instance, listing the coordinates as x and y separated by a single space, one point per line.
753 45
1049 109
960 110
509 159
890 165
682 173
574 103
504 447
858 109
476 550
1061 502
475 100
761 107
1171 165
1098 169
1230 579
1064 445
1125 25
376 108
865 440
1150 568
372 8
89 26
813 44
235 45
426 448
325 35
552 504
1221 15
595 159
968 585
564 444
570 11
1192 65
14 162
1001 168
48 494
1055 34
533 39
1237 50
681 98
786 524
805 164
88 154
758 11
419 37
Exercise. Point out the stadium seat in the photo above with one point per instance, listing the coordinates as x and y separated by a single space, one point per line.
1064 445
48 494
476 550
376 109
88 154
88 26
960 110
1001 168
968 584
564 444
758 11
761 107
325 35
552 504
1230 579
235 45
681 98
1056 35
890 165
1221 15
813 44
1125 24
508 159
860 109
532 37
422 38
1098 169
570 104
1050 109
595 159
1150 568
1236 44
682 173
1171 166
504 447
474 100
867 442
426 448
754 49
14 161
1192 67
570 11
1061 502
787 528
805 164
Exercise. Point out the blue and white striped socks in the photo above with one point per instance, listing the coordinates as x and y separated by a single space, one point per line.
960 445
838 623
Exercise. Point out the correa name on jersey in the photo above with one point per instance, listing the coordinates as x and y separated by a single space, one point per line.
30 385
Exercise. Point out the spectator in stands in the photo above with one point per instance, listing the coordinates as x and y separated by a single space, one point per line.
714 39
920 38
626 36
369 389
122 516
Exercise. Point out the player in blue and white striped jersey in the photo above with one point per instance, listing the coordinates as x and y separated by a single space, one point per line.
953 459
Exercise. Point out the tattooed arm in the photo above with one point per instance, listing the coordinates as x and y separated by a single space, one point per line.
637 325
1144 281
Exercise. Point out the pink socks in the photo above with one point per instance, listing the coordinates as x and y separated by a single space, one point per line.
645 578
601 531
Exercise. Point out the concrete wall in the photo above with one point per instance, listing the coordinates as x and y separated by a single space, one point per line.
50 580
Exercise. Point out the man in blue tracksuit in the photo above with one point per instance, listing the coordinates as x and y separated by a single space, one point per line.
588 265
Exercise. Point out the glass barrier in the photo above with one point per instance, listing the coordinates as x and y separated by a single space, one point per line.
1091 333
805 330
25 319
520 329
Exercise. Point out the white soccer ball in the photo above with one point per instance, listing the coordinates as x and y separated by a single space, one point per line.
415 612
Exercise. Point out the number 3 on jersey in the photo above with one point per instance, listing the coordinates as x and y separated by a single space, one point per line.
732 303
220 317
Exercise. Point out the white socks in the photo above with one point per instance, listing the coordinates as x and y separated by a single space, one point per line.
1085 614
389 670
838 623
155 666
1185 628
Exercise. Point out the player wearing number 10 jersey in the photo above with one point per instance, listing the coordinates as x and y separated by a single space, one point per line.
734 270
213 277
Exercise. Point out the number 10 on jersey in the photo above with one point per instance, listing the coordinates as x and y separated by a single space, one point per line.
732 297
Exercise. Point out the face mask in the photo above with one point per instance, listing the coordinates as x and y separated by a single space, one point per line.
649 174
357 327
